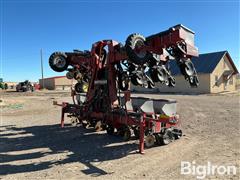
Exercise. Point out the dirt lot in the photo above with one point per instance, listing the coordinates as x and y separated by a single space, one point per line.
33 146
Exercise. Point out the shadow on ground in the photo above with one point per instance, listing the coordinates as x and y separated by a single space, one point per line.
82 146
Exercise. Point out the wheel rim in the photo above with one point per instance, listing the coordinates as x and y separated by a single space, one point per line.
59 61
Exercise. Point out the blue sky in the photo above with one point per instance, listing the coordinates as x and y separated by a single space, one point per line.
27 26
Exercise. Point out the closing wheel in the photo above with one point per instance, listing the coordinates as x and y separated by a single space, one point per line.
172 82
58 61
134 48
110 129
149 85
137 81
158 75
167 137
149 140
189 68
194 82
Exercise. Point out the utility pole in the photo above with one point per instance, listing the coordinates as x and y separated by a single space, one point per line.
42 68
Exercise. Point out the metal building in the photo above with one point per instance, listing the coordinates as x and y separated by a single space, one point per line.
56 83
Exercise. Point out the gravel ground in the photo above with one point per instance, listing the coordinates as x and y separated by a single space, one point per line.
33 146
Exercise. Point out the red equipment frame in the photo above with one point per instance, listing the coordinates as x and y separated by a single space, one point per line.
114 115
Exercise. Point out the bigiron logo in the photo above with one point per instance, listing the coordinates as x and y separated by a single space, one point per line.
202 171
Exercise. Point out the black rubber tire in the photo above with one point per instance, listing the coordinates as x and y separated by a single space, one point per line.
158 75
150 140
136 81
172 82
150 85
110 129
167 137
126 134
130 46
194 82
189 68
158 138
136 132
186 67
123 83
55 59
178 134
78 87
154 74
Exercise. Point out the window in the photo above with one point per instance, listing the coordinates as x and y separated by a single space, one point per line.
225 85
231 81
216 79
224 64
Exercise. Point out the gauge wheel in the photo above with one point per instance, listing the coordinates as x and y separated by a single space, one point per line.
79 87
167 137
136 80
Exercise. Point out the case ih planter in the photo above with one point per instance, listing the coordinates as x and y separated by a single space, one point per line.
109 68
